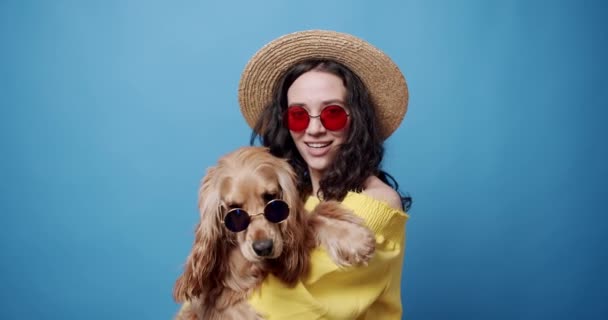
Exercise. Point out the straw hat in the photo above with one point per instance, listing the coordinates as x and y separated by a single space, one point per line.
378 72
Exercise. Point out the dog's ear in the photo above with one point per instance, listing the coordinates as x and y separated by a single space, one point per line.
204 264
293 262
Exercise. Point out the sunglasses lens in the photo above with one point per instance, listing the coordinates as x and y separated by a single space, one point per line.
297 119
276 211
236 220
334 118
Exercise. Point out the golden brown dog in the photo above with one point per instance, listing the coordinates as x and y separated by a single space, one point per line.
225 266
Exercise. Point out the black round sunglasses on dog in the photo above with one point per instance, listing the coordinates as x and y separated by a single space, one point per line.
237 219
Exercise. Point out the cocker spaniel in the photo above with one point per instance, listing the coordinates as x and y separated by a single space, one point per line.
252 223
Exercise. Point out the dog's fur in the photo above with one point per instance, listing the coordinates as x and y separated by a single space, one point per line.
223 268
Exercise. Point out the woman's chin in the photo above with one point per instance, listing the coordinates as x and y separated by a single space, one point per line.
317 164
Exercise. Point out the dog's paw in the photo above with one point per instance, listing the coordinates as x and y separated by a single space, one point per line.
344 236
353 248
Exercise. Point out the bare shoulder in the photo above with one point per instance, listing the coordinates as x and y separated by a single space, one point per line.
377 189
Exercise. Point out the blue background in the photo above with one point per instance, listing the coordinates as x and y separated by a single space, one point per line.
112 110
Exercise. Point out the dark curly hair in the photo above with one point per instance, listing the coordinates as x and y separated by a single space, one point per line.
359 157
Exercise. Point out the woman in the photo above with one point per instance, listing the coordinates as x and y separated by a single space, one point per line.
326 101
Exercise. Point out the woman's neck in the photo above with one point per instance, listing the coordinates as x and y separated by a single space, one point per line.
315 177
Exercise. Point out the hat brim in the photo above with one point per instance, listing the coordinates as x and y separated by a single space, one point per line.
381 76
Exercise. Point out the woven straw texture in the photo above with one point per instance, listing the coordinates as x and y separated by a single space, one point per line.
378 72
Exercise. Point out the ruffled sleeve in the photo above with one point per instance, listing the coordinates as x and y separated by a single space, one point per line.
381 218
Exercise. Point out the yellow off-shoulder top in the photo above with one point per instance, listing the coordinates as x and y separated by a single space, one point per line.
330 292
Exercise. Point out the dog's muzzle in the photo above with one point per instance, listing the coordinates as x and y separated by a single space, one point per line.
262 248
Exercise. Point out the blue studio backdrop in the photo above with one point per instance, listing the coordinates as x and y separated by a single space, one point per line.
110 112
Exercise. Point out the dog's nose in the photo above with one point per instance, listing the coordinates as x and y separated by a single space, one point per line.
262 247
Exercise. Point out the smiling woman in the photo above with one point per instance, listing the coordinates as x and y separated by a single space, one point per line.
326 101
318 141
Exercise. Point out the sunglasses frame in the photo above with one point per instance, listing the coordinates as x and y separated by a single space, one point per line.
286 117
250 216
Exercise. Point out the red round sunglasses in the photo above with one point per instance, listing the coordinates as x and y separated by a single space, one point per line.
333 118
